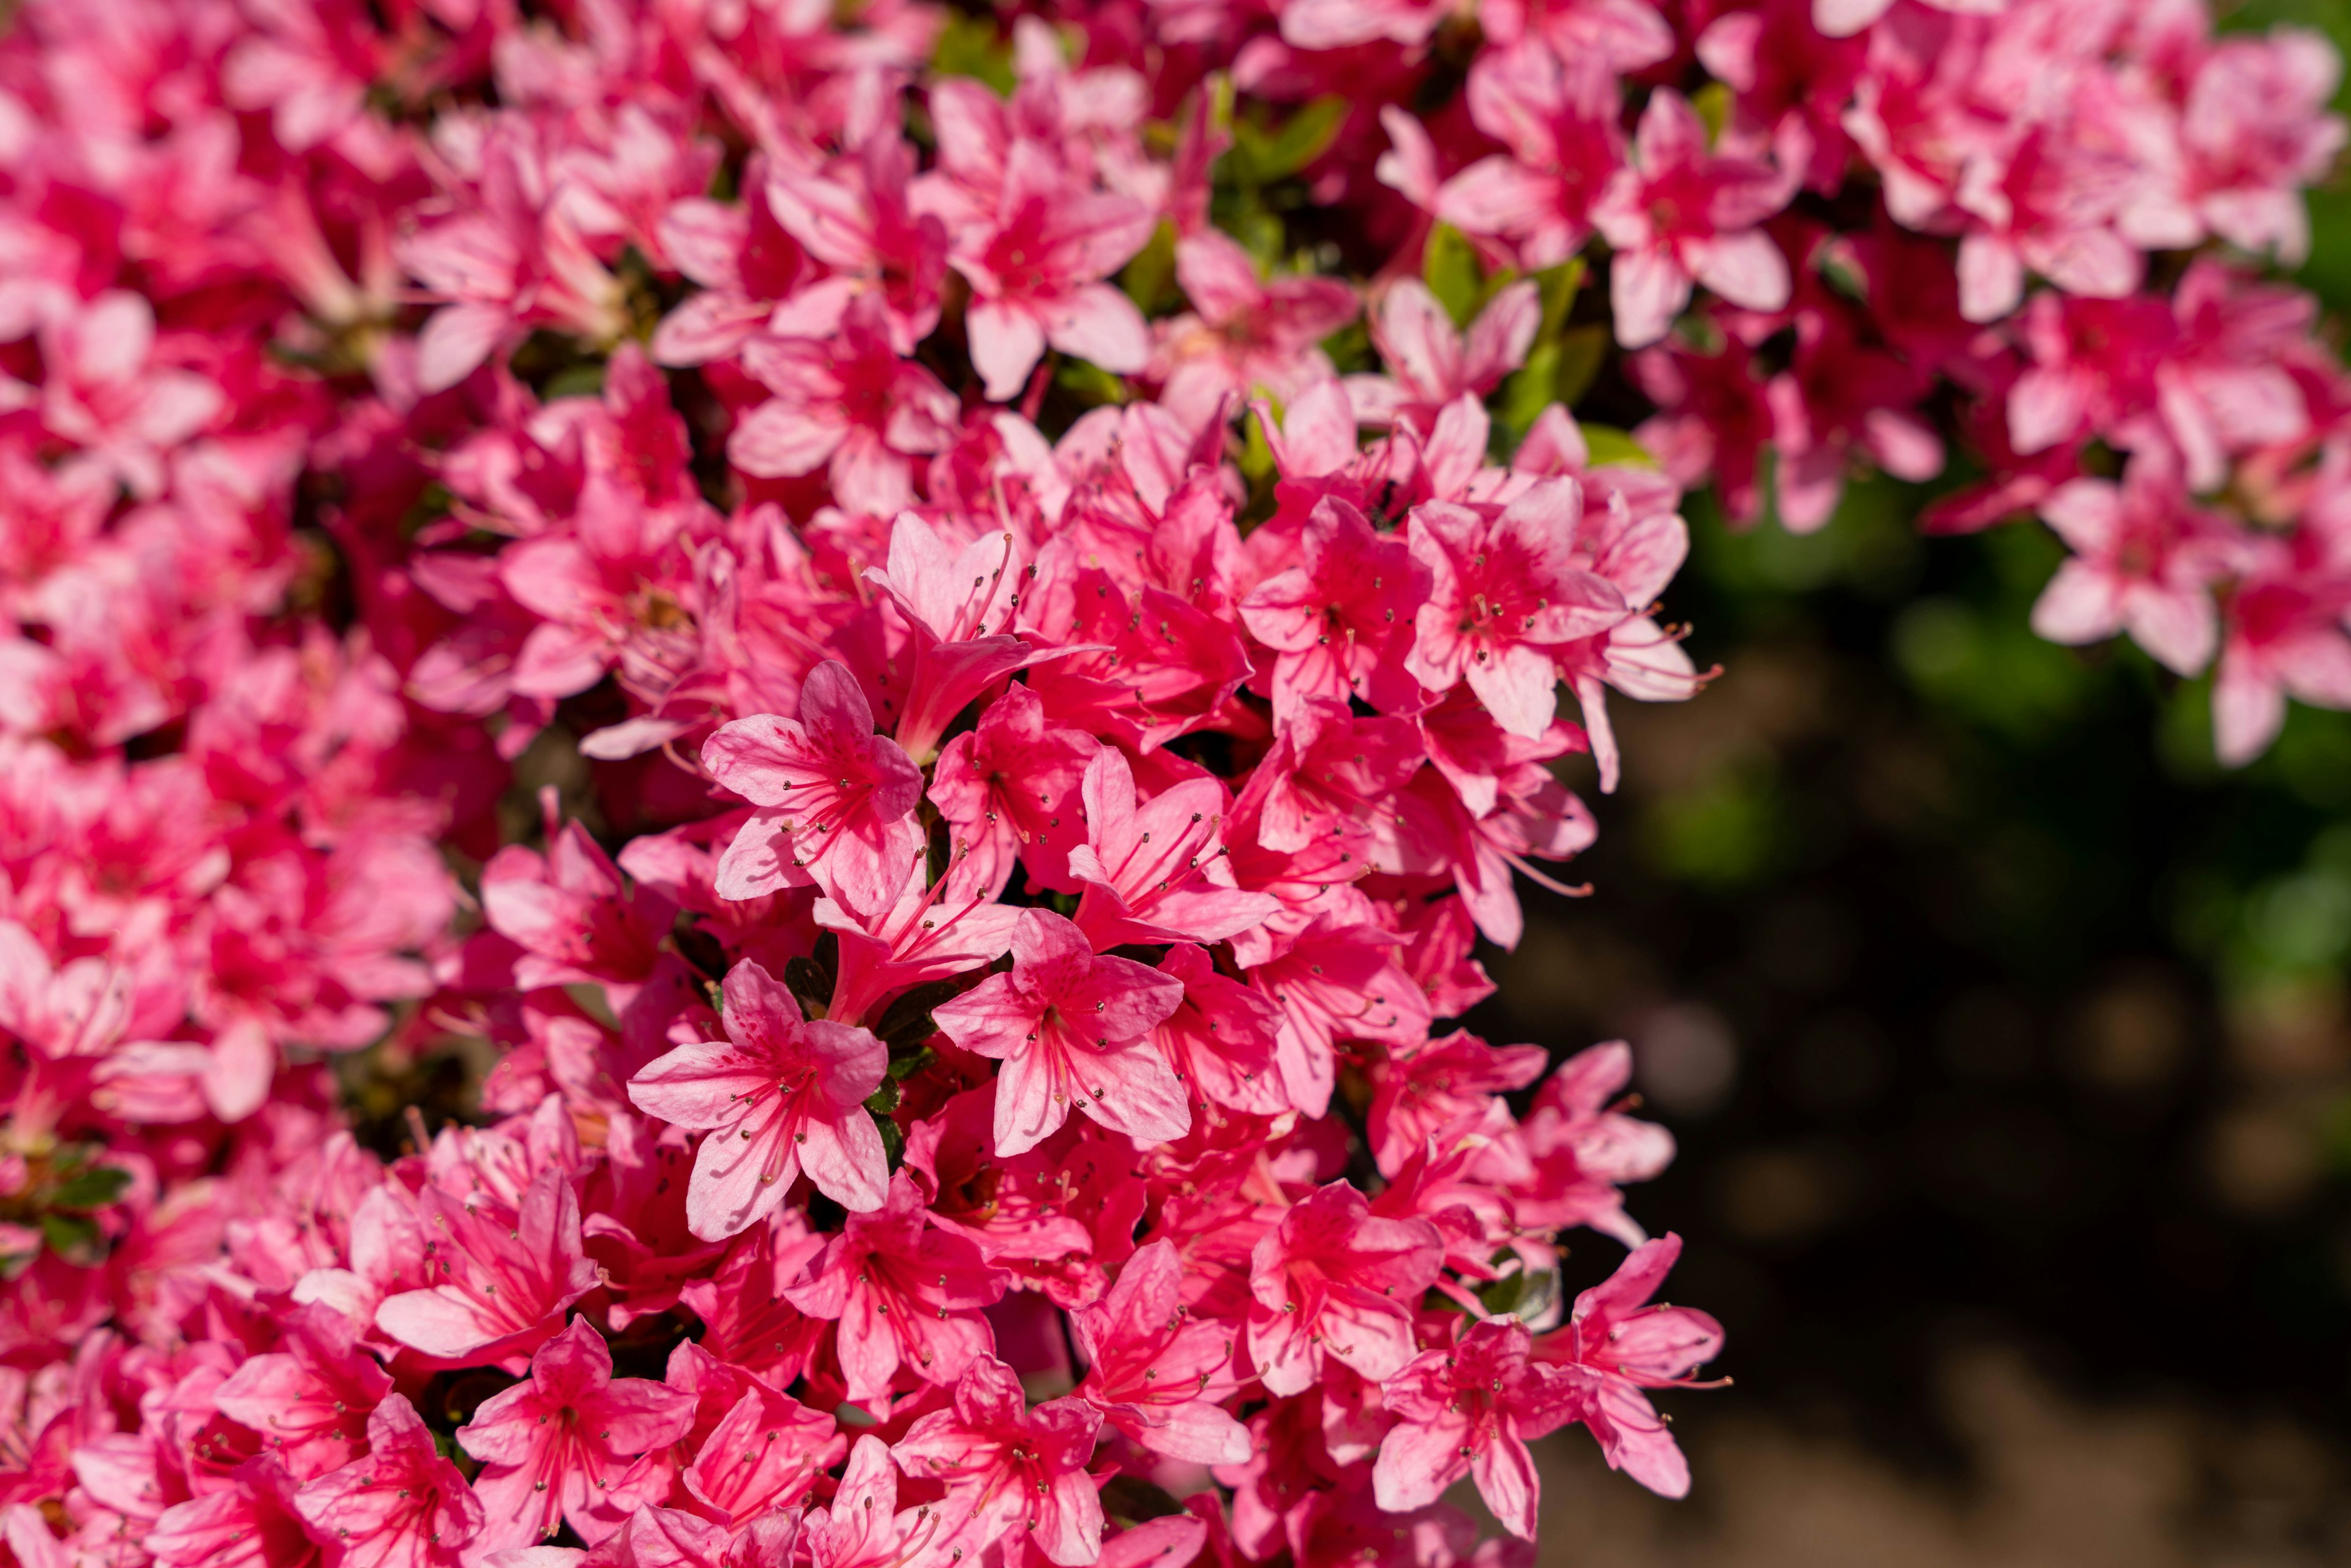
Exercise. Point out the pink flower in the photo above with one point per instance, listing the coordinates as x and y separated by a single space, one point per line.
1154 1373
498 1278
1469 1409
1582 1149
1420 1093
1332 617
1011 788
2143 558
780 1097
1616 1346
856 217
109 392
836 801
1007 1467
1221 1038
765 1454
864 1527
1153 869
1246 334
1502 588
849 402
310 1400
1680 213
1071 1028
561 1447
1036 265
1331 1280
906 1293
1558 116
251 1523
1431 363
403 1506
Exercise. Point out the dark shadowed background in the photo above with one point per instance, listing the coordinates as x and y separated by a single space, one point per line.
2006 1040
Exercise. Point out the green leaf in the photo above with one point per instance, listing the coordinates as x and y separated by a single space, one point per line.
1450 267
894 1140
70 1235
1088 383
1712 103
810 979
1609 444
93 1188
905 1067
884 1100
971 47
1261 157
1558 286
907 1020
1150 278
1582 351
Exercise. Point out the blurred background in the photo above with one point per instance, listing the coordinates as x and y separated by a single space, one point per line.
2007 1042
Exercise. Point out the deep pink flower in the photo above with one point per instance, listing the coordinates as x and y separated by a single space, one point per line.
1008 1468
1036 265
864 1527
1501 589
856 217
2143 560
1469 1409
1072 1029
1339 612
1331 1280
780 1096
1009 789
1153 869
1430 361
310 1401
1154 1373
1616 1346
497 1280
906 1294
1245 334
402 1506
1558 116
1582 1147
847 403
249 1523
562 1446
765 1454
836 801
1681 213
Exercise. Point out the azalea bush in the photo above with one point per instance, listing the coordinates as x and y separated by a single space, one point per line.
922 643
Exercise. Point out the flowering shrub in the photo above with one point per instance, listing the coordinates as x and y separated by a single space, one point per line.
1059 766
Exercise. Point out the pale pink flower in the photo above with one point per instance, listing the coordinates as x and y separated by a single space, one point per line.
1615 1347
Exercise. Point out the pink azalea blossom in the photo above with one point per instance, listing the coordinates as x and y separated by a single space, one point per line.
782 1096
1073 1031
402 1506
1616 1347
904 1293
1331 1280
1009 1467
2144 559
1469 1409
1155 1376
1501 589
562 1446
835 801
1680 213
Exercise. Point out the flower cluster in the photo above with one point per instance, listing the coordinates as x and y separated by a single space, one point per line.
1042 560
